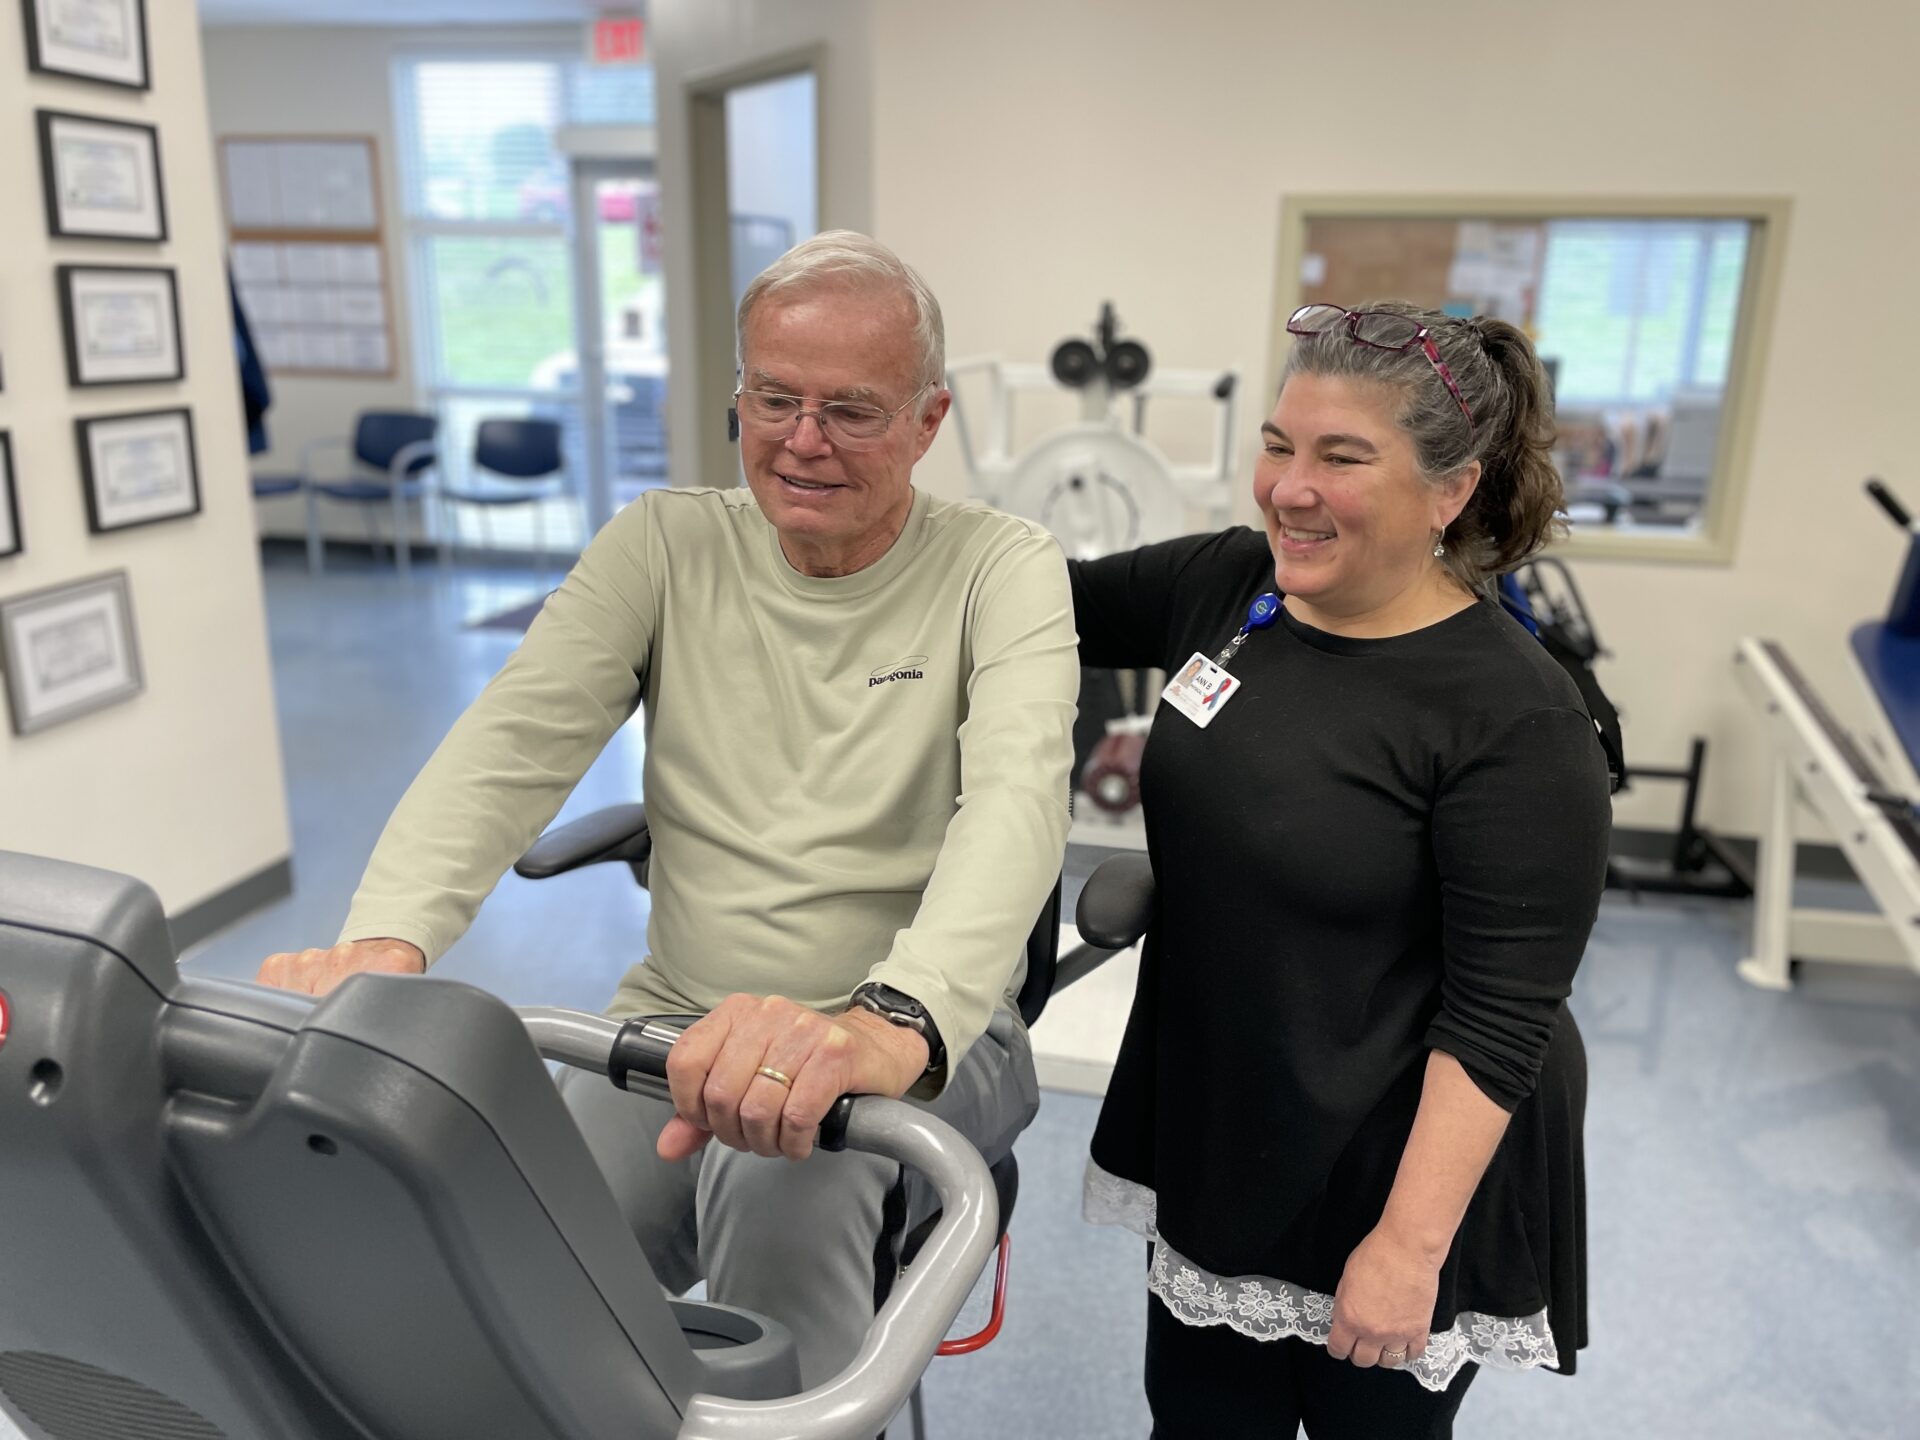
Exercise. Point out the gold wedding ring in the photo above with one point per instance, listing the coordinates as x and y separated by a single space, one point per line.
1392 1359
775 1075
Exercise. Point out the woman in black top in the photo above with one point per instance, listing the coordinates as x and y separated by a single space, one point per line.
1347 1108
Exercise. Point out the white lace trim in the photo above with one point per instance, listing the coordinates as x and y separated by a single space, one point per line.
1265 1309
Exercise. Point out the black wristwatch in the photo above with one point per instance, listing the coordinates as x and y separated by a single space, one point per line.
902 1009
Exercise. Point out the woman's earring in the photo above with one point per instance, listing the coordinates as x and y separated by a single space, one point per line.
1439 549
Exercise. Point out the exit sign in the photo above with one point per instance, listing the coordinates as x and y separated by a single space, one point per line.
619 40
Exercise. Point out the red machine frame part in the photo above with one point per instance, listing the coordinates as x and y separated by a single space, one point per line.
983 1337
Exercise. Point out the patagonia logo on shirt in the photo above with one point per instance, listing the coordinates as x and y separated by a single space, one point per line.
907 669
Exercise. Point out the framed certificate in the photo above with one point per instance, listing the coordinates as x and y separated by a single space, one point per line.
122 324
138 469
11 542
102 178
68 650
104 40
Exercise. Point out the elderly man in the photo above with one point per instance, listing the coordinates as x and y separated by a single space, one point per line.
858 708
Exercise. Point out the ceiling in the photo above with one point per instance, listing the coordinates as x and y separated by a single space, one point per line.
402 12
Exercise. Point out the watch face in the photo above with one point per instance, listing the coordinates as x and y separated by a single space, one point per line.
904 1010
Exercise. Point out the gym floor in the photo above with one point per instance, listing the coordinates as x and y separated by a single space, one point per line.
1753 1158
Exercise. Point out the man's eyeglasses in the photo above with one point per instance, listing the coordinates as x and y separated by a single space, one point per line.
1383 330
847 425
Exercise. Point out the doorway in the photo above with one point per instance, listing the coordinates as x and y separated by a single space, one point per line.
621 323
756 182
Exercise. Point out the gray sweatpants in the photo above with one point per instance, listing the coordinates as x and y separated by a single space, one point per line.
795 1242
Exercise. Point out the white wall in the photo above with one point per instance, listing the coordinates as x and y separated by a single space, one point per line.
693 41
180 785
1034 160
326 80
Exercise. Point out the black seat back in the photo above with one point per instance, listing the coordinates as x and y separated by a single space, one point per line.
1043 949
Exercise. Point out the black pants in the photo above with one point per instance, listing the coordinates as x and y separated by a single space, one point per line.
1213 1383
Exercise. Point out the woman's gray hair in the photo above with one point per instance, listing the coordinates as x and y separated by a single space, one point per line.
1514 510
850 258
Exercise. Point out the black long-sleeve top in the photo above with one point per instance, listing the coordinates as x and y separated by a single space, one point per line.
1378 848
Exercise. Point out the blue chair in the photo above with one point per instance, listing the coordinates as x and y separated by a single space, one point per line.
515 462
391 450
267 487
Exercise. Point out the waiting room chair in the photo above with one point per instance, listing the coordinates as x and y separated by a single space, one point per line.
1115 908
269 487
515 462
397 447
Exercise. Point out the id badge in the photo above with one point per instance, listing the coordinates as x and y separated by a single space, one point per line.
1200 690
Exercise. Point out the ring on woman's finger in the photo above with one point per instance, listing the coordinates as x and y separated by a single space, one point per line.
1393 1359
779 1077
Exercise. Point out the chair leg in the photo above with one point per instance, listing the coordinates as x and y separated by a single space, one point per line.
316 550
373 533
916 1406
402 541
443 508
486 530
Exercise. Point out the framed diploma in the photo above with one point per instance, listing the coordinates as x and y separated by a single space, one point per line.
138 468
122 324
10 540
102 178
104 40
68 650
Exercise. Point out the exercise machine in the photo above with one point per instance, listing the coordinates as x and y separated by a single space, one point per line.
1543 595
1101 486
1861 785
236 1212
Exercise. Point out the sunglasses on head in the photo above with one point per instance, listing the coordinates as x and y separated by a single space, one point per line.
1382 330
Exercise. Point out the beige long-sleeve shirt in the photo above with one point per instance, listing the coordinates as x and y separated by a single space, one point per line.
847 779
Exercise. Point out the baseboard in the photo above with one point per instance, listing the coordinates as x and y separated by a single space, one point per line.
1812 861
236 902
560 559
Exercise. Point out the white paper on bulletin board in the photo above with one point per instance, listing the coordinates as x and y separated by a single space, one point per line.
316 307
300 185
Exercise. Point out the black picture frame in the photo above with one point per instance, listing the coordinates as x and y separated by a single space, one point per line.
9 501
41 61
50 178
101 519
27 716
66 275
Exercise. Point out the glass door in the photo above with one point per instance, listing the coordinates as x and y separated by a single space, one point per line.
621 322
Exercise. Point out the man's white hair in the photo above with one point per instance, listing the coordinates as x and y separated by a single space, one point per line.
848 257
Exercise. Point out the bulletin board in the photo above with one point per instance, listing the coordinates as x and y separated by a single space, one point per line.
1473 266
309 252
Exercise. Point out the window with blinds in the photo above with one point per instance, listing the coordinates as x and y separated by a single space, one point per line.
1645 313
1636 310
486 198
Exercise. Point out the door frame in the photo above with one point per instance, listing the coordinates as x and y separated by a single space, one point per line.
716 364
584 171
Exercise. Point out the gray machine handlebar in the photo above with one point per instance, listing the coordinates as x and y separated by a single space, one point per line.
857 1403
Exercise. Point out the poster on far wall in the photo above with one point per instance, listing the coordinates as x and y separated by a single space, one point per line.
103 40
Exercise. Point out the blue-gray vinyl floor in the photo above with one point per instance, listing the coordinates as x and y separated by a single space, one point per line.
1753 1158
